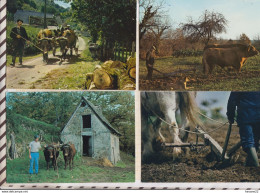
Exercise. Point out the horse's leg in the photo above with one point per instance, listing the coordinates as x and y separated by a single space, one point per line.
170 118
157 129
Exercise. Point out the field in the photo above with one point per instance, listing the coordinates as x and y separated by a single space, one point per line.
220 79
85 170
200 166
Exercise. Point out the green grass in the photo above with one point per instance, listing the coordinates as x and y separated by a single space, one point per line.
247 80
30 51
25 128
18 172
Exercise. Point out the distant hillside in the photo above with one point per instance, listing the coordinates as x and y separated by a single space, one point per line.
24 130
34 5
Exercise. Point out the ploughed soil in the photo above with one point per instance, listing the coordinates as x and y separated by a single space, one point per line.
199 165
174 72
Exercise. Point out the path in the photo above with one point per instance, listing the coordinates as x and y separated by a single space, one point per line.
22 77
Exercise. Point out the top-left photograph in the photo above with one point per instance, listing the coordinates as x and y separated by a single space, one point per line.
71 44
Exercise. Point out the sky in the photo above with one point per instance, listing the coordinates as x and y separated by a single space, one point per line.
60 3
220 96
243 15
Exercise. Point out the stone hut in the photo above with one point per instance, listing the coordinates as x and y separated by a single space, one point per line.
91 133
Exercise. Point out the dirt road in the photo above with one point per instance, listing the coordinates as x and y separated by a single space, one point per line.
22 77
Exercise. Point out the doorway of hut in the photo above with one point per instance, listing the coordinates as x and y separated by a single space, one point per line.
87 146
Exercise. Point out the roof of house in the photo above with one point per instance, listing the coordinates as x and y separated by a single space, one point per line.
98 114
24 15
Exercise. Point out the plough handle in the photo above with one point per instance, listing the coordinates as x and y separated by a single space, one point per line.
226 142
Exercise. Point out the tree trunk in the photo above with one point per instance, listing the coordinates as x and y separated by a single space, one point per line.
13 153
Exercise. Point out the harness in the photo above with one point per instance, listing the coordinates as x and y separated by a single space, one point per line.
193 132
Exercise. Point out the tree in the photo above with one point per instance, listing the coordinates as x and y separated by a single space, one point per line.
244 39
112 20
149 11
206 28
56 108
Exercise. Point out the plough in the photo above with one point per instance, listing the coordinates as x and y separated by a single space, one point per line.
221 154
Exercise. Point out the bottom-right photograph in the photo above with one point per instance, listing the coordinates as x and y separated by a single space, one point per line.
200 136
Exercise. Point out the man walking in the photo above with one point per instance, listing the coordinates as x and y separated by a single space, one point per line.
247 105
34 148
19 36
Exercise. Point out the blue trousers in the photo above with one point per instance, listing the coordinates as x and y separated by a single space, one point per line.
250 135
34 158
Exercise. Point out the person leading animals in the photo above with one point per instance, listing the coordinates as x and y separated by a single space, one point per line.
150 61
19 37
34 148
247 106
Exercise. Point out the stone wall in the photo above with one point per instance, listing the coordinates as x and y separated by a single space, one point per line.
101 135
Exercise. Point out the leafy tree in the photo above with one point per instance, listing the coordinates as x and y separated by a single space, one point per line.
113 21
56 109
206 28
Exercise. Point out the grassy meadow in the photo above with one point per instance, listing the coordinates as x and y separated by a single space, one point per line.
85 170
247 80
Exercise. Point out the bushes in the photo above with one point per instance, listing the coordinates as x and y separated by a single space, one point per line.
185 53
32 34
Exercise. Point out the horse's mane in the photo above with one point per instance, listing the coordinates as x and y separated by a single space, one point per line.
189 107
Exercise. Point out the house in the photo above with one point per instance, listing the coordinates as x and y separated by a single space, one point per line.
36 18
91 133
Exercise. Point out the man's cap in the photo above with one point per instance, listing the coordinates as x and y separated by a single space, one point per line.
36 136
19 20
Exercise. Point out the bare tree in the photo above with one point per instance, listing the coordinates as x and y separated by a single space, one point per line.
149 10
206 28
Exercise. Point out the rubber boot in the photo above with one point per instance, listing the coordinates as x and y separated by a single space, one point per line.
252 158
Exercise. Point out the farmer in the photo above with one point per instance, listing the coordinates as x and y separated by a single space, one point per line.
150 61
248 119
19 36
34 148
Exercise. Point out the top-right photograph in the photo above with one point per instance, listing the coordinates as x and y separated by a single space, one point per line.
199 45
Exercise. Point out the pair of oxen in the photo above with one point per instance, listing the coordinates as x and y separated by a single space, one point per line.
51 153
51 40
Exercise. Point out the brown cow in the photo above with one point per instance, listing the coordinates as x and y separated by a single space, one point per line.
47 42
233 55
69 152
51 153
71 39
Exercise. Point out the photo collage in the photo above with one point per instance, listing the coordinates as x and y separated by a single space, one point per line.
126 94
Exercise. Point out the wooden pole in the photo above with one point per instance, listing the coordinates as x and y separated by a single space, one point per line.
45 20
226 142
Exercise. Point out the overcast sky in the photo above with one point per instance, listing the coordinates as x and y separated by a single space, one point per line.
243 15
60 3
220 96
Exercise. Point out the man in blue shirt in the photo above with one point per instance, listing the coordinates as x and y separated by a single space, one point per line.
247 106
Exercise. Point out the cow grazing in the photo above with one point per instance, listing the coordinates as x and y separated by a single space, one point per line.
47 42
69 152
226 55
51 153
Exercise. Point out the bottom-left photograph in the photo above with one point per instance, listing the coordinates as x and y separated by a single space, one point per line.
70 137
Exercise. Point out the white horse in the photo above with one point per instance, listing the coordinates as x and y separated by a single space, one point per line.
163 105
